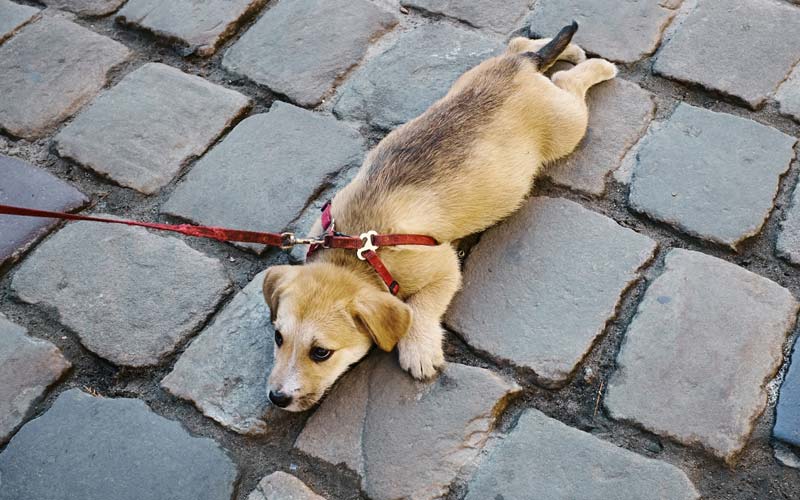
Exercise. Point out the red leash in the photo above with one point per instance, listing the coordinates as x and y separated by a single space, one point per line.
365 245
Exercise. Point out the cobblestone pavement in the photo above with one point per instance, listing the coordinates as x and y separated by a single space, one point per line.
628 334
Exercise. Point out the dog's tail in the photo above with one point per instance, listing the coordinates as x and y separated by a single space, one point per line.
547 55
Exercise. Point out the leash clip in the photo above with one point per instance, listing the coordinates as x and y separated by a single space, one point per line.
289 240
368 245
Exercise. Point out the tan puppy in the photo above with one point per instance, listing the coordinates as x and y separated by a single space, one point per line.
465 164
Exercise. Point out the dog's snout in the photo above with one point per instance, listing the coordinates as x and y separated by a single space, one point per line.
280 399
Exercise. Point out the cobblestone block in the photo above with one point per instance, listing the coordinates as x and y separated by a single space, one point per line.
224 371
27 186
200 27
625 31
130 296
286 51
540 288
711 175
28 367
98 448
502 17
282 486
403 81
142 131
48 71
568 463
86 7
788 95
406 439
266 170
787 416
742 48
788 244
619 113
13 16
706 339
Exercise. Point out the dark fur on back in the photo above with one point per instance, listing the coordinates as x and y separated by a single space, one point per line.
441 138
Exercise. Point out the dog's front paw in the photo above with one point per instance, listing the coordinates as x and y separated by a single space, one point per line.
421 356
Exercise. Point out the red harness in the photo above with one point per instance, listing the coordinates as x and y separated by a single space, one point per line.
365 245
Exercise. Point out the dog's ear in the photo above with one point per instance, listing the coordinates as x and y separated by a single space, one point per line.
383 317
275 281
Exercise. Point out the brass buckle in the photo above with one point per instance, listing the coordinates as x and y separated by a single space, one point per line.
368 245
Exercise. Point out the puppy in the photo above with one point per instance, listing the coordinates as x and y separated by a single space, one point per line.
466 163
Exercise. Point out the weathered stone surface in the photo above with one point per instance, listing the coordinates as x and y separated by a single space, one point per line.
763 32
376 419
543 455
787 416
540 288
97 448
266 170
13 16
282 486
131 296
199 26
786 456
502 17
28 367
707 337
86 7
788 244
403 81
144 129
626 33
224 371
27 186
788 95
48 71
711 175
286 51
619 113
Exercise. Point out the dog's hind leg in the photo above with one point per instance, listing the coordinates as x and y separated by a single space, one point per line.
579 79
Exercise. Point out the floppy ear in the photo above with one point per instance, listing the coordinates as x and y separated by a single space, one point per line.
383 316
275 281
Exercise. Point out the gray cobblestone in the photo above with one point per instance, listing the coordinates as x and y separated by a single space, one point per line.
788 95
131 296
13 16
619 112
404 80
525 296
254 171
141 138
568 463
28 186
285 51
788 244
200 27
98 448
743 48
224 370
86 7
28 367
502 17
282 486
377 419
704 328
48 71
712 175
626 32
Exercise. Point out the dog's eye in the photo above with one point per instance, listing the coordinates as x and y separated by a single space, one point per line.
320 353
278 338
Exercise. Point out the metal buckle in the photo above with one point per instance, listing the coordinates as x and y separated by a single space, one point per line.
368 245
289 240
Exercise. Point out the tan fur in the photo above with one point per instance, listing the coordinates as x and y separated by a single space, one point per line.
463 165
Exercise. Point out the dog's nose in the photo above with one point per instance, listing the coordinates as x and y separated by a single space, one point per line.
280 399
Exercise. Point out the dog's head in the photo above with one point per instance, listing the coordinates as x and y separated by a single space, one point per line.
326 318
